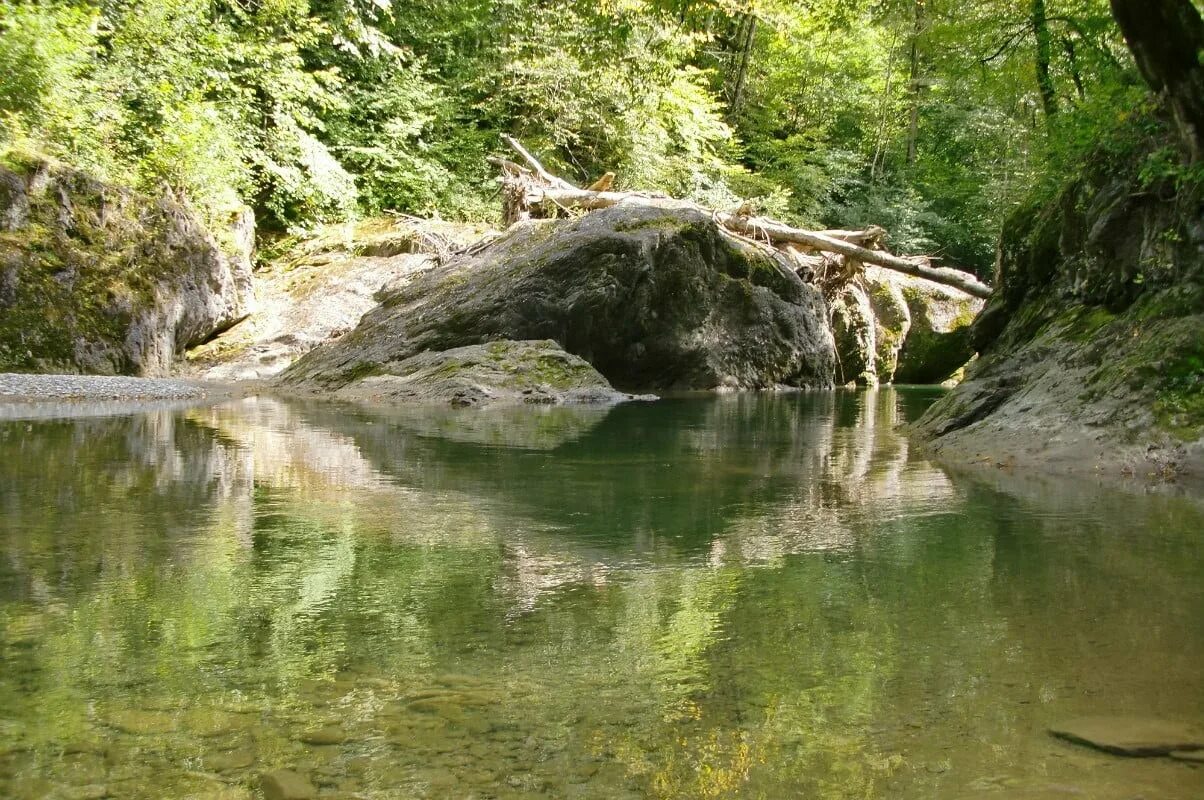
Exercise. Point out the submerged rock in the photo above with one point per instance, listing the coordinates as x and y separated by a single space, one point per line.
653 297
231 760
95 278
1131 736
142 723
499 372
328 735
284 784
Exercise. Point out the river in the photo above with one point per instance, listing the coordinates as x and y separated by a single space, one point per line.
769 596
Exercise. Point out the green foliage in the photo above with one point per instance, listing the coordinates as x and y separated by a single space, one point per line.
924 117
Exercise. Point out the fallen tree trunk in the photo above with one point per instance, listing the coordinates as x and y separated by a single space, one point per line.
777 232
842 242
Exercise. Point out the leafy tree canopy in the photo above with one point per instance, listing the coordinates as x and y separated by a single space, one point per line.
932 118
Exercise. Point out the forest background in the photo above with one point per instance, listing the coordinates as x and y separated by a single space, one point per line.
932 118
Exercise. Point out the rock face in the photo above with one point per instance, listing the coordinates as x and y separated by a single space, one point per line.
653 297
98 279
1132 736
1091 350
480 374
893 328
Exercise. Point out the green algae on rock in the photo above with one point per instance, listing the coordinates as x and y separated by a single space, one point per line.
894 328
499 372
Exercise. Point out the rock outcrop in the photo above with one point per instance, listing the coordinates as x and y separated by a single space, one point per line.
95 278
654 298
893 328
1092 347
317 289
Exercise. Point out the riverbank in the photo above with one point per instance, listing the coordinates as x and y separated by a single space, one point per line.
20 387
24 396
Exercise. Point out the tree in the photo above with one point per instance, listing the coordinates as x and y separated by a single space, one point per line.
1049 100
1167 40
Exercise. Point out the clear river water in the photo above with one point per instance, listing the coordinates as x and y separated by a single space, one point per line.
765 596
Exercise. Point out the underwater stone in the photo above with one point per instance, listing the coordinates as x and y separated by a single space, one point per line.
284 784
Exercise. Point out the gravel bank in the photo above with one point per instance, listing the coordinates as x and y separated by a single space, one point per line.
96 387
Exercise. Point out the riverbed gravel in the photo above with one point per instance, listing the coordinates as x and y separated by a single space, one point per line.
14 386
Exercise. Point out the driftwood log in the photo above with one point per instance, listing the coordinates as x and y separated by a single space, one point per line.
533 187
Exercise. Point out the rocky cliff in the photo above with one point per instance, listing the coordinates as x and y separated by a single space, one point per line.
95 278
1092 348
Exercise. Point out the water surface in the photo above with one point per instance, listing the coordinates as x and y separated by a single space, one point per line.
747 597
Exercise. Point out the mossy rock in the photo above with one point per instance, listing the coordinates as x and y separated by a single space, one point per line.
938 341
95 278
533 372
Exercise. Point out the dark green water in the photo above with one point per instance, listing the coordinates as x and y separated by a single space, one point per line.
761 597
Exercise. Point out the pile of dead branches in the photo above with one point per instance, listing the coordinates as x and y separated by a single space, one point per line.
834 257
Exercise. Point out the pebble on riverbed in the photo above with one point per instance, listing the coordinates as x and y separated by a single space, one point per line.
284 784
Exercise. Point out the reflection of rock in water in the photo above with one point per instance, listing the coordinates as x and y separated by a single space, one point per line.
849 458
285 451
733 478
533 427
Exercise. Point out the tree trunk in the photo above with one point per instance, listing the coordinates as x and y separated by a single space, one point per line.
842 242
1049 100
1167 40
1072 59
883 115
913 124
750 35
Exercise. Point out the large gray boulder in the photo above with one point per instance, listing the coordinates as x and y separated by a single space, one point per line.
95 278
655 298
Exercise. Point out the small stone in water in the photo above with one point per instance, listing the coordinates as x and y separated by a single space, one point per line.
284 784
142 723
331 734
235 759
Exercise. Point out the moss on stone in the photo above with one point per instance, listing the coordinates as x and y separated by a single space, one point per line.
668 224
1179 402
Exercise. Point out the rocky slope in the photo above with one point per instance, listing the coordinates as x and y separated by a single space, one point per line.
98 279
315 289
1092 348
